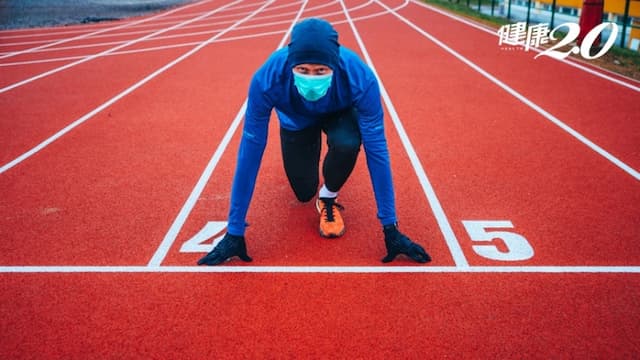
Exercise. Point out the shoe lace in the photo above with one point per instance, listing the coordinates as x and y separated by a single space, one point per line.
329 204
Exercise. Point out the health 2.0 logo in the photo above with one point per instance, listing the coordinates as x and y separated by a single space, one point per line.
519 34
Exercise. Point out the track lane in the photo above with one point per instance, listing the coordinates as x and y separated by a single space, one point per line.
40 39
350 315
583 65
176 40
52 100
579 99
494 159
284 232
35 77
158 62
362 246
90 32
99 184
103 193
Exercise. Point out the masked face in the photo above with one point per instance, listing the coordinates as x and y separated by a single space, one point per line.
312 81
312 87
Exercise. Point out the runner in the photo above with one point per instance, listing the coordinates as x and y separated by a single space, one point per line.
315 85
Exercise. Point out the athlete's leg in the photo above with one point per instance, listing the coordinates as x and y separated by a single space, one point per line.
343 140
301 156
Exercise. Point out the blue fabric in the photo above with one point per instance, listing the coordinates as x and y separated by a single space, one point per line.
353 85
314 41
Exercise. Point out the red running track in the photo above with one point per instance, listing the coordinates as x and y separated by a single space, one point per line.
118 147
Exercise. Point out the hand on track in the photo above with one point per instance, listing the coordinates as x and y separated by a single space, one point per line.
228 247
397 243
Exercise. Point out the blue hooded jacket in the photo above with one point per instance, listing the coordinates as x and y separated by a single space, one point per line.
272 87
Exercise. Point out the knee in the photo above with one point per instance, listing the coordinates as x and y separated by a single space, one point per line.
304 189
305 196
346 145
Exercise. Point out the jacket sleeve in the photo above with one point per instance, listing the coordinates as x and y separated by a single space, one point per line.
252 145
371 120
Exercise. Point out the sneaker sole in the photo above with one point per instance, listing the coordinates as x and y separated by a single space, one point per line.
331 236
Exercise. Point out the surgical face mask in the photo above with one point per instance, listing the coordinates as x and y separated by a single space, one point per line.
312 87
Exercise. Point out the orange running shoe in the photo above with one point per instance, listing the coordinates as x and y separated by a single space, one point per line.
331 223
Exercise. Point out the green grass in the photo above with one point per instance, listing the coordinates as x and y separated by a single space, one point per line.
631 57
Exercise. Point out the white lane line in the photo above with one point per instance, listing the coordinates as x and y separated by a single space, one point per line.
92 34
178 222
191 34
436 207
124 93
128 43
82 28
176 226
614 160
324 269
137 29
494 33
157 48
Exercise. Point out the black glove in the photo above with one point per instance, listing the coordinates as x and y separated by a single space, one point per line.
397 243
228 247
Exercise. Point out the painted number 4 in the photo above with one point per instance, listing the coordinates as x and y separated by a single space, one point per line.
515 248
202 241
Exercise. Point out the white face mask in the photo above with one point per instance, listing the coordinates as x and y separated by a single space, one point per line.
312 87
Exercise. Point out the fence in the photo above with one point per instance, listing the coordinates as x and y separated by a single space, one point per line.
624 13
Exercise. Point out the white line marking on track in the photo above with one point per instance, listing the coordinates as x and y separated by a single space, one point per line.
218 20
92 34
128 43
172 234
179 221
205 32
626 168
322 269
82 28
158 48
113 100
163 24
436 207
566 61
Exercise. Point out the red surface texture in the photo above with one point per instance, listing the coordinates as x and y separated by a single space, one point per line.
108 179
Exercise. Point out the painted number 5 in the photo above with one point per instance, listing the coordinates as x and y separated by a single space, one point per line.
517 246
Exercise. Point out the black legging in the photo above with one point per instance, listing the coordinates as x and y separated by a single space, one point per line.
301 154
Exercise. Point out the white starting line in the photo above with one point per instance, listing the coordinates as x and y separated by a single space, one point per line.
321 269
